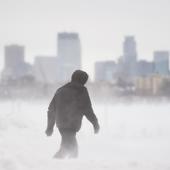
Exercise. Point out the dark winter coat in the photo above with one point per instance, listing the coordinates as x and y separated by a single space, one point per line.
68 106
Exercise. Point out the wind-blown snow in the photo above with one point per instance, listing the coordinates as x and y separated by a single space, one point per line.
132 136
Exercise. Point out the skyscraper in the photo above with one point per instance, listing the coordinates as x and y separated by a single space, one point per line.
129 55
15 65
129 50
69 54
14 56
161 62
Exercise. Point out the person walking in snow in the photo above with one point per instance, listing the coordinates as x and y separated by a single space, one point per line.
70 103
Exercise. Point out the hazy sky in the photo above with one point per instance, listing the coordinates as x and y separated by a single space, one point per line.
102 25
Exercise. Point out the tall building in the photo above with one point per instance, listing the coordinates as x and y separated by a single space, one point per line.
129 50
69 54
15 65
129 55
161 62
14 56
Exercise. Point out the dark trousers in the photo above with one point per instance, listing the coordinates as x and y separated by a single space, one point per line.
69 146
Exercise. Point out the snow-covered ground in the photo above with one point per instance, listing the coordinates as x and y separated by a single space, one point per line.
133 136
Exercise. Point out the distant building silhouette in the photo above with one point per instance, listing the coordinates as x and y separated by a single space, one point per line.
45 69
161 62
150 85
104 71
14 56
69 54
15 65
129 55
144 68
129 49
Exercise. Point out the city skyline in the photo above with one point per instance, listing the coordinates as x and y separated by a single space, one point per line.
101 25
129 49
69 58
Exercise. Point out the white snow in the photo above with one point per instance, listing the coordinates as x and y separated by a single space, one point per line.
133 136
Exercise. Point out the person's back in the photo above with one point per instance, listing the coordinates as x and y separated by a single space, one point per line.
67 108
70 100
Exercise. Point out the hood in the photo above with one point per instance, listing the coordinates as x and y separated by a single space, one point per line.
80 77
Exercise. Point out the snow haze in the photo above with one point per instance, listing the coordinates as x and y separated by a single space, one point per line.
133 136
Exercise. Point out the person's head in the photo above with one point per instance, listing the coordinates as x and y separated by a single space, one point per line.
79 76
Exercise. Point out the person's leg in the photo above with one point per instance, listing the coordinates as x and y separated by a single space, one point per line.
69 146
72 145
62 153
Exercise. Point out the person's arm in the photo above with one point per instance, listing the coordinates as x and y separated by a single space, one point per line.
88 111
51 117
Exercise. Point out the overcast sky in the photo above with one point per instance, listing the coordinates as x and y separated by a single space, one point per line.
101 24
